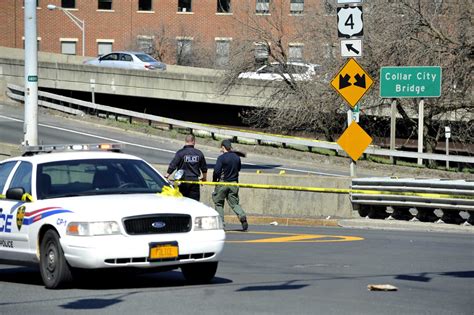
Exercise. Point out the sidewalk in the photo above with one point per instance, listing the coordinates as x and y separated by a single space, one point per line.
356 223
398 225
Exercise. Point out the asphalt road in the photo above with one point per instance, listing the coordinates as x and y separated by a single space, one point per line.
279 270
60 130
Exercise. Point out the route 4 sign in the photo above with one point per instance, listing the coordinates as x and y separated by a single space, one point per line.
352 82
350 22
351 47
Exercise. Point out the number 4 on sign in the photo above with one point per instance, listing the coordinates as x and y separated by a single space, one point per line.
350 21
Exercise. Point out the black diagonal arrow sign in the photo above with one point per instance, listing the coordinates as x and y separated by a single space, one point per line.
350 47
344 81
360 80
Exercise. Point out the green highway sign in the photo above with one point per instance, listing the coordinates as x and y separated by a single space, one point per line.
410 82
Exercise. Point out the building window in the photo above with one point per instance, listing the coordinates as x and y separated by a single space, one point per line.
222 52
104 47
296 6
145 5
261 54
263 7
185 6
184 51
105 5
68 4
223 6
68 47
146 44
295 53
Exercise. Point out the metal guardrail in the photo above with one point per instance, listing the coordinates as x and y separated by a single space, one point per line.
405 196
229 133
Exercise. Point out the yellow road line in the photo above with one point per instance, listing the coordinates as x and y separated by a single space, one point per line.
298 238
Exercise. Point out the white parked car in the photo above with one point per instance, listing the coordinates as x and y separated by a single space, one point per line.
293 71
78 209
127 60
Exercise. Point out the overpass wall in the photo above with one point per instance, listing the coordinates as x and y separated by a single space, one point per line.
177 83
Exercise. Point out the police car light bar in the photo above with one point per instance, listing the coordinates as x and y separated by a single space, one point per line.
49 148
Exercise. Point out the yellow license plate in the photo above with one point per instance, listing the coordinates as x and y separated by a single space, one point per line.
163 251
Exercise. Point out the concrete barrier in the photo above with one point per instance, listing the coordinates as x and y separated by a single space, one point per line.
287 204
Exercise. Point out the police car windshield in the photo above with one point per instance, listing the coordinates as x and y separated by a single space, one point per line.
96 177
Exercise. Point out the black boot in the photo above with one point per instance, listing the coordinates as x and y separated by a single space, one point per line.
245 225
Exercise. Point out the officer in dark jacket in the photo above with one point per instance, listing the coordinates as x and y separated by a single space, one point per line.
227 170
193 163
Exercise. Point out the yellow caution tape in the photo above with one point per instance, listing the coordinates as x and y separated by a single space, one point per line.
25 198
329 190
168 191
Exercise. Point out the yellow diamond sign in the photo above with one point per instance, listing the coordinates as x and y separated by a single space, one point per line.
352 82
354 141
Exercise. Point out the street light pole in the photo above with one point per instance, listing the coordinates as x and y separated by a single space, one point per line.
79 23
30 125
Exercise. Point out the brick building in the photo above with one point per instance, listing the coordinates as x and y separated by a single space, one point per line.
170 29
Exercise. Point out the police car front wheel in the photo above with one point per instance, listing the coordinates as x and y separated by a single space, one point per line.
54 268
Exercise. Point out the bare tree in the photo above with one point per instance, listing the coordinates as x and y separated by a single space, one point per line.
308 106
398 33
157 42
428 33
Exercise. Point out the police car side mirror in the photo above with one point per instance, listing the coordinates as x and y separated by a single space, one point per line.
15 193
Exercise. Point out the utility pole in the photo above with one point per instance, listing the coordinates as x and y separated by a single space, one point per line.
30 126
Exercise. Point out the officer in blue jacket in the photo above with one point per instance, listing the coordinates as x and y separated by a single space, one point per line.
227 169
192 162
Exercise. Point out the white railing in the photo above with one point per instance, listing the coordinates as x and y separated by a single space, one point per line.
411 198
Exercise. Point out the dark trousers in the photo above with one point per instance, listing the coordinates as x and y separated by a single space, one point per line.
190 190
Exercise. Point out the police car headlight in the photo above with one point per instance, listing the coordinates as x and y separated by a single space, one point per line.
207 223
92 228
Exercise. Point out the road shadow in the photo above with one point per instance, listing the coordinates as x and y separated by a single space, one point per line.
105 279
274 287
425 276
21 275
111 280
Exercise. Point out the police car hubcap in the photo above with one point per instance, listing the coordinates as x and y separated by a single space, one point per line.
51 260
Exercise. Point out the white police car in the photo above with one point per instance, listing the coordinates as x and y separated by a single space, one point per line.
85 209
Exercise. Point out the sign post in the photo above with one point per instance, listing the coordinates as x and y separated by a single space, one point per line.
393 128
447 135
352 81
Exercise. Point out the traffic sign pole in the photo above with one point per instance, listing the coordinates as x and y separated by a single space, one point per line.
393 127
421 109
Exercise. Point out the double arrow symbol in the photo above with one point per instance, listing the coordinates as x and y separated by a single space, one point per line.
344 81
